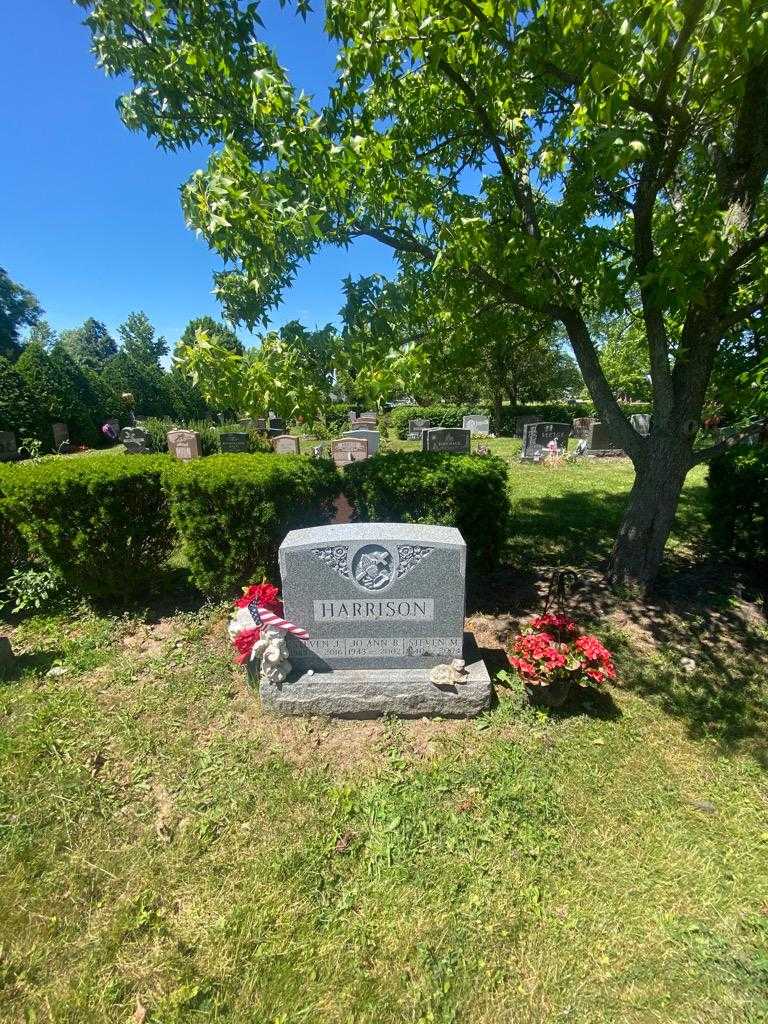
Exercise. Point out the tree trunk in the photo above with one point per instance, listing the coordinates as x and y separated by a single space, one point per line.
498 411
650 512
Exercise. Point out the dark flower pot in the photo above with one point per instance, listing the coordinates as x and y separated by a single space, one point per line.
550 695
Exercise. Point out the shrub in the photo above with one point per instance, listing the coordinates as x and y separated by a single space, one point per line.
465 491
20 409
738 493
102 523
232 513
157 441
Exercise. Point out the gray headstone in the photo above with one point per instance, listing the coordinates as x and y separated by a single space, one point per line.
415 428
349 449
536 437
374 595
641 421
261 425
60 435
8 449
601 440
446 439
184 444
286 444
373 437
522 421
233 441
135 440
276 423
581 426
114 422
477 424
351 415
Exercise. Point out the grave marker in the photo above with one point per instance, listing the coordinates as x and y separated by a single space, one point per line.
415 428
135 440
581 426
476 424
536 437
286 444
373 438
8 449
601 442
233 441
383 604
184 444
641 421
60 435
446 439
349 449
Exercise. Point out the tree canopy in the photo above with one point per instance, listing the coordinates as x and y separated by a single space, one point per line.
18 309
140 341
91 346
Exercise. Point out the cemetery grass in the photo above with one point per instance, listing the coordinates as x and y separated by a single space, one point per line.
169 854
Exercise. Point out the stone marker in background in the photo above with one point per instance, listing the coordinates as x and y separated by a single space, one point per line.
415 428
349 449
60 435
383 604
233 441
184 444
536 437
446 439
521 422
261 425
351 415
477 424
276 423
641 421
366 419
373 437
8 450
135 440
286 444
581 426
600 442
114 423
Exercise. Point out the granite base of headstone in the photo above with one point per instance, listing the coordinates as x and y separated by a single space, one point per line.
135 440
455 440
373 437
383 604
538 436
476 424
601 443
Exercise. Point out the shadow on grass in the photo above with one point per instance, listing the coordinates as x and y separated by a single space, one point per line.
169 593
20 664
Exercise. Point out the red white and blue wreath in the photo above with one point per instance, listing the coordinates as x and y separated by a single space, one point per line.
257 629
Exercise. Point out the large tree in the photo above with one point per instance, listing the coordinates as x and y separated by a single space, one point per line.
91 345
215 330
562 157
18 309
140 342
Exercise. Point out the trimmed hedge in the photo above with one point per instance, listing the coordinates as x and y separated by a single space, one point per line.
738 493
103 523
232 513
465 491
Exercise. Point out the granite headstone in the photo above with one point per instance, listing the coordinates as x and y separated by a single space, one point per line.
233 441
476 424
286 444
641 421
135 440
581 426
60 435
383 604
8 450
373 437
415 428
601 441
184 444
446 439
349 449
536 437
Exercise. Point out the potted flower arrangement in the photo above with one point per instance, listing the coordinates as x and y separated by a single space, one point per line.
552 657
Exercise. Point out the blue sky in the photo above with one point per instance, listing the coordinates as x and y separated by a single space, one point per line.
90 219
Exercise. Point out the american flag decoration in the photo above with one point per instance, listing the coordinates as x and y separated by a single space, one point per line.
264 617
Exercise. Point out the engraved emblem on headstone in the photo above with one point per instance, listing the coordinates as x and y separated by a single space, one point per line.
335 558
372 567
409 557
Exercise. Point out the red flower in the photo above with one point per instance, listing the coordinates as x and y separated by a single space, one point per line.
560 622
244 641
265 594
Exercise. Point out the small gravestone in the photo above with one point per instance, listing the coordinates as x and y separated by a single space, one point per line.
521 422
8 449
537 436
581 426
135 440
261 425
286 444
114 423
446 439
351 415
373 437
641 421
349 449
184 444
233 441
246 423
383 604
276 423
415 428
60 435
601 441
476 424
366 420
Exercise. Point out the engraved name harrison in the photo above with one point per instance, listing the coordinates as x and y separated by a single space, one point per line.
419 609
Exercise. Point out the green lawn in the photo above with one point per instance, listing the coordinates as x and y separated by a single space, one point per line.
169 854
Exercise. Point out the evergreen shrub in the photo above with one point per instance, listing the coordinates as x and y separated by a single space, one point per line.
102 522
465 491
738 500
20 409
232 513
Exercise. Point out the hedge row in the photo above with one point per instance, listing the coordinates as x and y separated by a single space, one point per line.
464 491
738 492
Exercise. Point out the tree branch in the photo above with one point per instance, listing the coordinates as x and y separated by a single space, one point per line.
704 454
